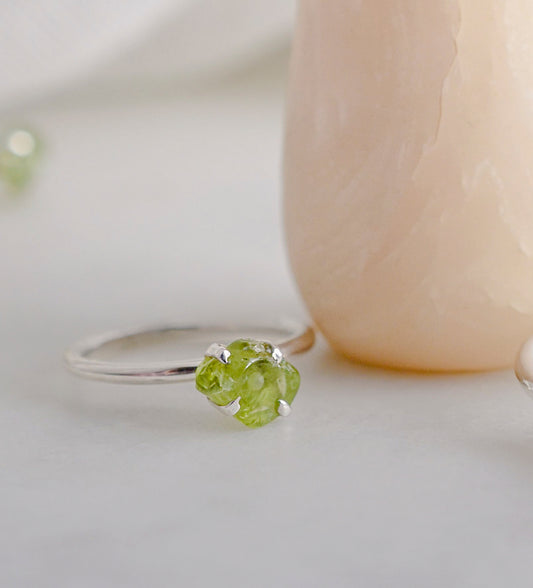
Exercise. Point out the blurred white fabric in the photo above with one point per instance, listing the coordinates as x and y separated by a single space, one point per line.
48 45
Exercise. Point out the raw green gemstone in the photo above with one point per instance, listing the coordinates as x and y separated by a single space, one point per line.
254 376
20 150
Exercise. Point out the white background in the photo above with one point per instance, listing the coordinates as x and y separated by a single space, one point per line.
164 203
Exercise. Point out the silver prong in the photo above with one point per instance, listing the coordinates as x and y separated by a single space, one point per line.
219 352
284 408
277 355
230 409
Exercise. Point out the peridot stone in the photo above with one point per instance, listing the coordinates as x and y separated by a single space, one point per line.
20 150
253 375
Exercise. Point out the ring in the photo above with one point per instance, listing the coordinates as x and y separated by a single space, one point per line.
249 378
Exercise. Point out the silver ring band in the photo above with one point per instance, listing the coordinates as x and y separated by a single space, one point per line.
290 337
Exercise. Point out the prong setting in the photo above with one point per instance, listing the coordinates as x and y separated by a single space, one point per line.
218 352
277 355
256 387
284 408
230 409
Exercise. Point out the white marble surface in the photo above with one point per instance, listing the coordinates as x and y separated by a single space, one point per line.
378 479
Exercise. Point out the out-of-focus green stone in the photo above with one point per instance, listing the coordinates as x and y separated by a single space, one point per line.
254 376
20 150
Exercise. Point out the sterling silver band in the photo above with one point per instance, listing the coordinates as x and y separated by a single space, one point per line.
82 359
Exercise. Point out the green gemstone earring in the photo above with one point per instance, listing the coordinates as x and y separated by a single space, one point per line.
20 151
249 379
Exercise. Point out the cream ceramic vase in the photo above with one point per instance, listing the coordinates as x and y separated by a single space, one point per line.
409 178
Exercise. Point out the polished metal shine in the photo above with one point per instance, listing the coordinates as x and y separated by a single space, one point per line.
289 338
524 365
284 408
